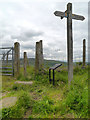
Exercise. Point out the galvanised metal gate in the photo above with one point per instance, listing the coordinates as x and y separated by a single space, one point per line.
7 61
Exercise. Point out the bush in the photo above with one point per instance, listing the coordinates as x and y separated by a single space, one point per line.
44 106
24 102
77 100
43 79
78 70
61 77
19 87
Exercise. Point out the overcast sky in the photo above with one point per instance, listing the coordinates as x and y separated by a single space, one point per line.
29 21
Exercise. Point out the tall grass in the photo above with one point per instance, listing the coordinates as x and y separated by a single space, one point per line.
55 101
17 111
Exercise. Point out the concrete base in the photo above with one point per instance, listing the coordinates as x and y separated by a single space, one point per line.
24 82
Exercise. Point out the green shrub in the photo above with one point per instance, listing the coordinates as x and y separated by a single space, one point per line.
79 70
0 114
19 87
17 111
5 112
61 77
77 100
44 106
25 100
42 79
15 87
60 108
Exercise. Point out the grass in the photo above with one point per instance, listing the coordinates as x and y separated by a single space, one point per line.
44 100
24 102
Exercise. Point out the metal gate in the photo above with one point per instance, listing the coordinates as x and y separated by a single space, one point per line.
7 61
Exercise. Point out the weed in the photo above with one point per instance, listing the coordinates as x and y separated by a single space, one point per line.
44 106
59 100
77 100
24 102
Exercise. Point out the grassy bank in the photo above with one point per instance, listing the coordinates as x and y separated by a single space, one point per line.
43 100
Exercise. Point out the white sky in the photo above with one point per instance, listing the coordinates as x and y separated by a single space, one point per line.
28 21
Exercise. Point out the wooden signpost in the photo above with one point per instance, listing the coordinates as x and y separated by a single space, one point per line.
68 14
84 52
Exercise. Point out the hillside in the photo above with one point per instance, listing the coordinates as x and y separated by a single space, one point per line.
47 63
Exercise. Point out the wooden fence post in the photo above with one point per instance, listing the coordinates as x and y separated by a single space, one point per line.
84 52
39 56
7 59
25 63
16 59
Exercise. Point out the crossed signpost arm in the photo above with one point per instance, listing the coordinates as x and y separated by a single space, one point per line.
65 14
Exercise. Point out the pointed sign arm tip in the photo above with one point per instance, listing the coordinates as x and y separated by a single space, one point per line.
83 18
59 13
55 12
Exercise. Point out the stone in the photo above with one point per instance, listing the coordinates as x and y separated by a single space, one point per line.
24 82
8 102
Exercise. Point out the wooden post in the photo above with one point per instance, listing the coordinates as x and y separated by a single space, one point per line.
16 59
39 56
69 43
53 77
68 14
3 58
7 59
84 52
25 63
50 76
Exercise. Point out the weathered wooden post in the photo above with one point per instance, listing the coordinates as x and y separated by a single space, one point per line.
69 43
68 14
16 59
84 53
39 56
3 58
7 59
25 63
